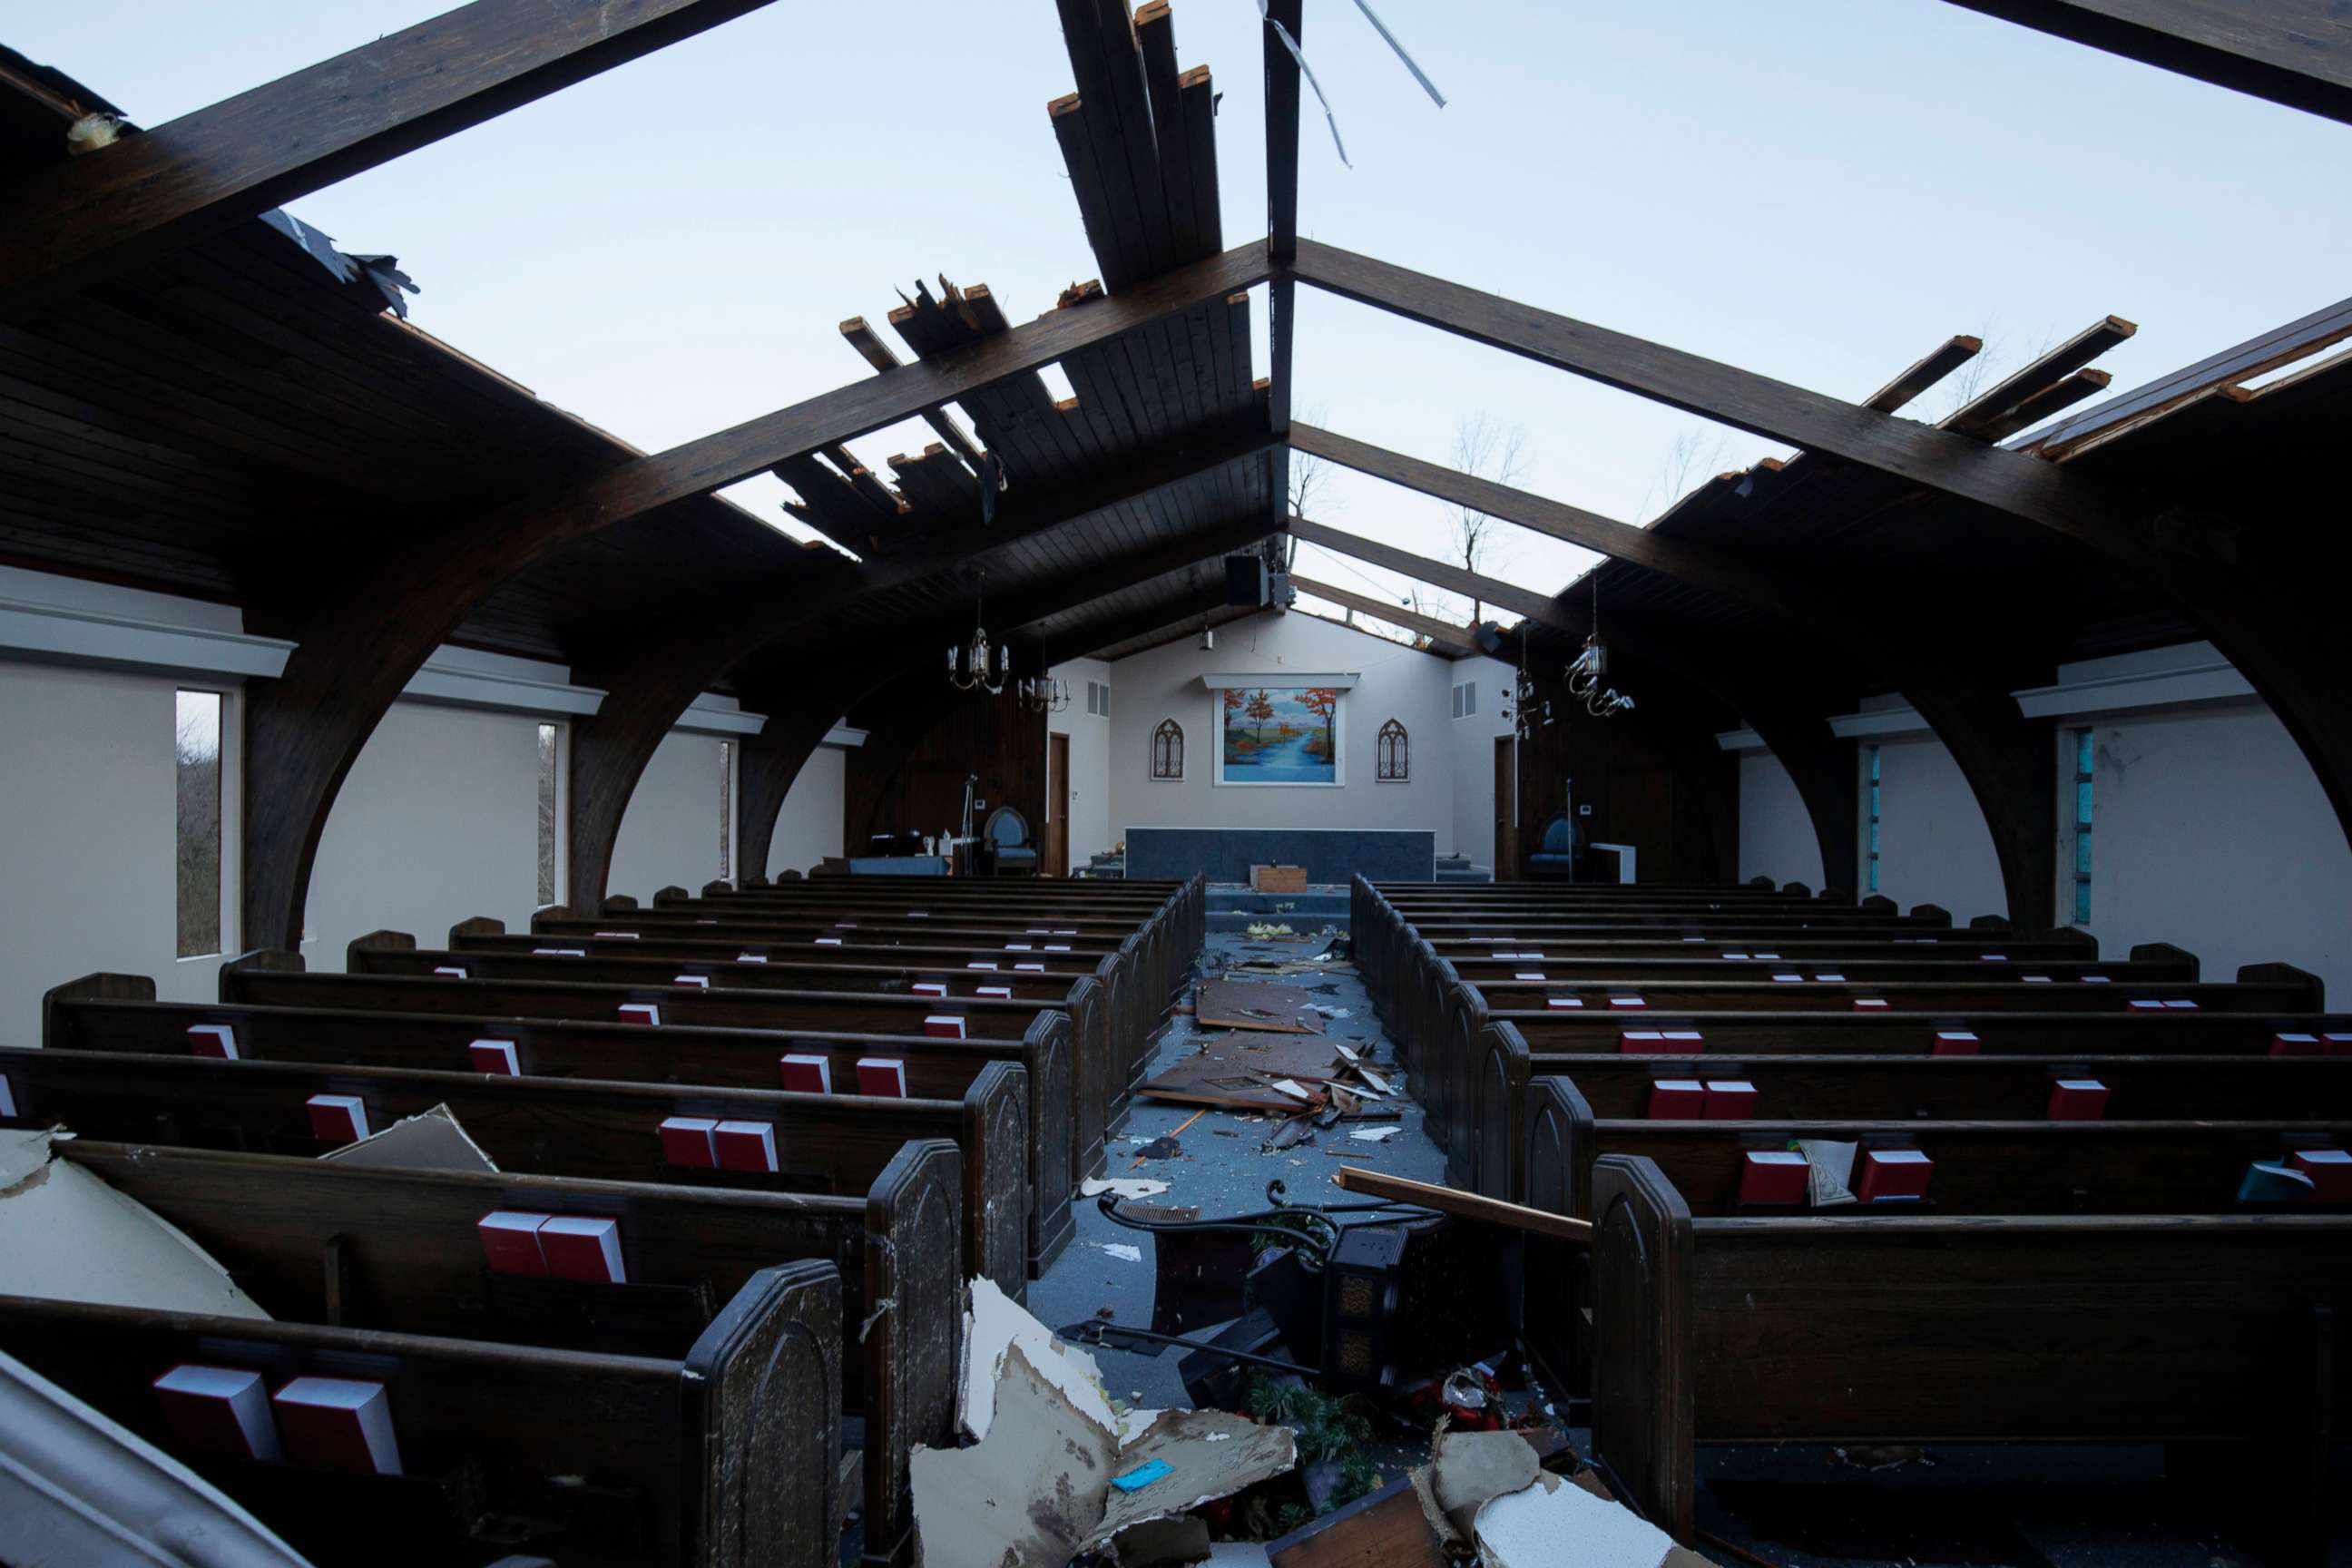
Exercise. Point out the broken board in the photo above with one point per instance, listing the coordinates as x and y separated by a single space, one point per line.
1256 1004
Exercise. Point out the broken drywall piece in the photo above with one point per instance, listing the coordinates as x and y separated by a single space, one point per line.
1128 1187
1209 1454
1375 1134
1122 1251
993 1325
1467 1469
429 1141
1029 1494
67 1236
1555 1525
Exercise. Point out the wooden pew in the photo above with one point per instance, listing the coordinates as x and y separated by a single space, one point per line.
833 1145
392 1251
118 1013
1981 1167
682 1464
1485 1110
2149 1328
1097 1055
253 980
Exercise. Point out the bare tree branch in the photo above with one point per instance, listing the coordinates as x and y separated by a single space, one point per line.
1490 451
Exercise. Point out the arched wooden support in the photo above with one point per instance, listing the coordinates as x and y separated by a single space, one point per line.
359 646
770 762
2009 763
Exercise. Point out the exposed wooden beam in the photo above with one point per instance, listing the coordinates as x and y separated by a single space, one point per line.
702 466
1282 104
1445 633
1734 578
1939 460
1981 413
882 356
76 220
2052 399
2293 52
2004 758
1955 352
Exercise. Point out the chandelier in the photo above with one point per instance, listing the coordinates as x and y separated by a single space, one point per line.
1527 708
1044 694
1585 677
976 666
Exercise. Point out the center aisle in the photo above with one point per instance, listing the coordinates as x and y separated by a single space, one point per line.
1222 1166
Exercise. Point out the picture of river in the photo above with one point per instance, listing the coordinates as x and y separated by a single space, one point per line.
1280 735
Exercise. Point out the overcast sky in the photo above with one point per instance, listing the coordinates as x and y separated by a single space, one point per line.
1817 190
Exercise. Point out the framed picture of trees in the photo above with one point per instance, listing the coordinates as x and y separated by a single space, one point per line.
1279 735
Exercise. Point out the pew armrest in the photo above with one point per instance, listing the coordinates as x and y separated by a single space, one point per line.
763 1432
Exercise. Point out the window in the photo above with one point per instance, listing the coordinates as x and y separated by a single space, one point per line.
197 768
1465 700
1167 750
726 809
1393 755
1871 753
2084 752
547 826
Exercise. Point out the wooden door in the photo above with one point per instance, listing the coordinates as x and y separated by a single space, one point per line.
1058 795
1507 809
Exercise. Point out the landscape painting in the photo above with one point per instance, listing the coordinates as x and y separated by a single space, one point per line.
1279 735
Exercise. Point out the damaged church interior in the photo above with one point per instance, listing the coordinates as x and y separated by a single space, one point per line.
1406 786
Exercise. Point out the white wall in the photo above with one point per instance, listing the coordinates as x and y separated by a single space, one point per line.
1395 682
436 821
2210 831
1085 794
809 827
1775 835
1470 748
1933 844
87 837
669 836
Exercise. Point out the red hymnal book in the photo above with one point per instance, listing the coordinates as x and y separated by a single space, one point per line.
451 971
944 1026
644 1013
494 1057
510 1241
338 1118
219 1410
1627 1002
1564 1002
2077 1099
747 1146
583 1247
2330 1171
338 1424
1730 1099
698 982
931 988
1774 1176
688 1141
882 1075
2295 1045
212 1041
1000 992
808 1074
1643 1043
1956 1042
1871 1004
1677 1099
1892 1173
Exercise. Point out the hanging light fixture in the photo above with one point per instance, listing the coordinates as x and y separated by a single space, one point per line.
1590 669
1043 693
1527 708
977 665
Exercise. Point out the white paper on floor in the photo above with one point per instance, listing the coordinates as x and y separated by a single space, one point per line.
1121 1186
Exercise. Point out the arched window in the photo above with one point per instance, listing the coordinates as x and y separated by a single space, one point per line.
1394 758
1167 750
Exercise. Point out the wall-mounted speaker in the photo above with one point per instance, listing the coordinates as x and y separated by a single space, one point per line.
1245 581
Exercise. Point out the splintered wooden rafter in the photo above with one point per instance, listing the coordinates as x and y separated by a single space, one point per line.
72 222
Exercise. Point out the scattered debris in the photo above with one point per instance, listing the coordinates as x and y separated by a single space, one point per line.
1231 1005
1123 1187
1374 1134
1122 1251
1159 1149
429 1141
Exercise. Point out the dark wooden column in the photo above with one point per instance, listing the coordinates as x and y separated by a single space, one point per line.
770 763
